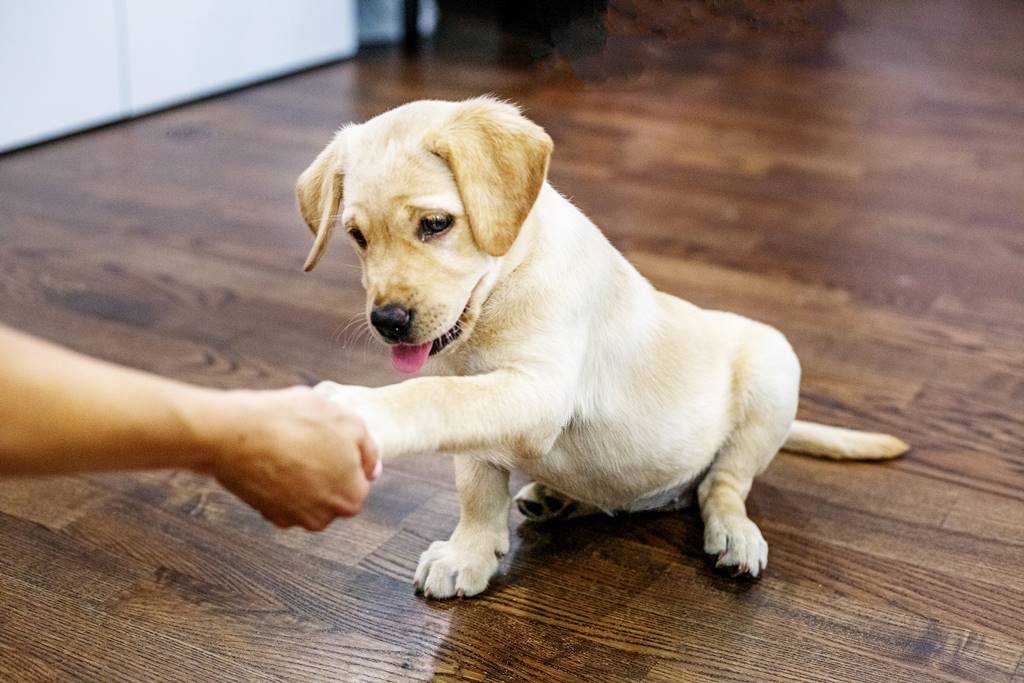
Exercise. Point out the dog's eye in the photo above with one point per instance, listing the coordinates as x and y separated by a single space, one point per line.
435 225
357 235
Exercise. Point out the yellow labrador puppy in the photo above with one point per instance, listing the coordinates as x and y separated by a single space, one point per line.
551 353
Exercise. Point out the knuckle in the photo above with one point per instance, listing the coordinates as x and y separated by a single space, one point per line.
316 524
349 508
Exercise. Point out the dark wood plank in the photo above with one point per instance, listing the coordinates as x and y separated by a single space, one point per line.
861 190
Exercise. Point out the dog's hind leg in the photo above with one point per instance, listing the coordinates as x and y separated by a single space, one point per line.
540 503
766 406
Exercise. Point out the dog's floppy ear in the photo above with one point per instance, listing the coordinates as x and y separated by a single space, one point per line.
318 192
499 159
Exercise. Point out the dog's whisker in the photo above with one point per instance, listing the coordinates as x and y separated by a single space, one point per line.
357 330
346 327
339 329
368 339
358 334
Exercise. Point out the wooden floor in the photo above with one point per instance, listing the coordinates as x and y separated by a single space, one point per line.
864 194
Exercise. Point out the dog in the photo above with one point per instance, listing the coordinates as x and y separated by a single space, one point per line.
550 353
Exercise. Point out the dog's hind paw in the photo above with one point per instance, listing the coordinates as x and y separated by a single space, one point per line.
538 503
737 544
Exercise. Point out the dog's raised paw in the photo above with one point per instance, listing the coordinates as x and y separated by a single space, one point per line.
538 503
737 543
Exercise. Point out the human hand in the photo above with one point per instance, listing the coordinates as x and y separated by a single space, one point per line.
295 457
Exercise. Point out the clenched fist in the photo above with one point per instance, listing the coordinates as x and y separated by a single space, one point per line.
294 456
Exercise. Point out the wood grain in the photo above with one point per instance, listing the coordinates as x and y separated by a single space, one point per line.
863 192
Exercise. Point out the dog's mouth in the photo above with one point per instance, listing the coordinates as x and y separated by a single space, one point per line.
447 338
408 359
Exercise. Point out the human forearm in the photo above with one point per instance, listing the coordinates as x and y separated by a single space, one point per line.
63 412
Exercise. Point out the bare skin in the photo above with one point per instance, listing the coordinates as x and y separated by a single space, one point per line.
295 457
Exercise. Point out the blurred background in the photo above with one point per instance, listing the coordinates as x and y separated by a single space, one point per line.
849 171
65 66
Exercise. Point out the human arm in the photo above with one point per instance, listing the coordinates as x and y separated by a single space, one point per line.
295 457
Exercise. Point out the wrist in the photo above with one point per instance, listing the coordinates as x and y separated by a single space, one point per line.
213 422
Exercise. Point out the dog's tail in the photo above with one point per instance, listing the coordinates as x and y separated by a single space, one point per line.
811 438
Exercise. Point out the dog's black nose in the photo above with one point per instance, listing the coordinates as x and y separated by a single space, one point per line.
392 321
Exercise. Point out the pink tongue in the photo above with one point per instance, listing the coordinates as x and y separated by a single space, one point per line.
409 359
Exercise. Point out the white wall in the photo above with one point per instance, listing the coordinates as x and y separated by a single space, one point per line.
179 49
70 64
58 68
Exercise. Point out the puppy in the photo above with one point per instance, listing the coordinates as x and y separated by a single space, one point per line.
552 354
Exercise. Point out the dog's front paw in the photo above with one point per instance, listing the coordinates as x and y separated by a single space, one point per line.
738 543
359 400
458 568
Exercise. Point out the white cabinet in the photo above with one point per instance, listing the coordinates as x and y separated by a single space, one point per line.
58 68
186 48
70 64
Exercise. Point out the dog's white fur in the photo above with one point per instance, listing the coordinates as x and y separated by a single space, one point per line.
572 367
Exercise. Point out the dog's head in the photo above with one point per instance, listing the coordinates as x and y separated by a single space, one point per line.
432 195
